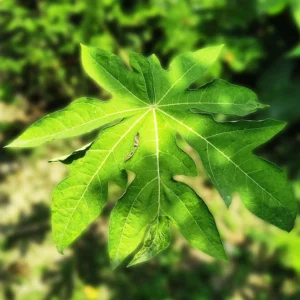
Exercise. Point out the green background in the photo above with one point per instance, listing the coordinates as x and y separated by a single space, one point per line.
40 71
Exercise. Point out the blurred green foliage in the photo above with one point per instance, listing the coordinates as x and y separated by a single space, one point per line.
40 39
40 71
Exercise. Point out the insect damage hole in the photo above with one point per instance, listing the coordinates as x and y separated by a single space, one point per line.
135 146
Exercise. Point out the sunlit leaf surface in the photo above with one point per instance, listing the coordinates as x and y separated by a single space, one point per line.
139 130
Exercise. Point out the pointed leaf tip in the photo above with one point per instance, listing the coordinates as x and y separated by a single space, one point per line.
14 144
223 257
218 48
114 264
221 46
132 263
262 106
60 249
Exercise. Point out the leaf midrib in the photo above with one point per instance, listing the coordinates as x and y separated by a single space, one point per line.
208 103
157 177
157 158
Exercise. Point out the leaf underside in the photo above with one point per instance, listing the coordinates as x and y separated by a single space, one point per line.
156 105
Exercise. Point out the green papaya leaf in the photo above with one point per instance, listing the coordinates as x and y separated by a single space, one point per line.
139 128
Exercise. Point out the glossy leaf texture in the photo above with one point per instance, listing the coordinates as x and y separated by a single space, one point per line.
138 132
